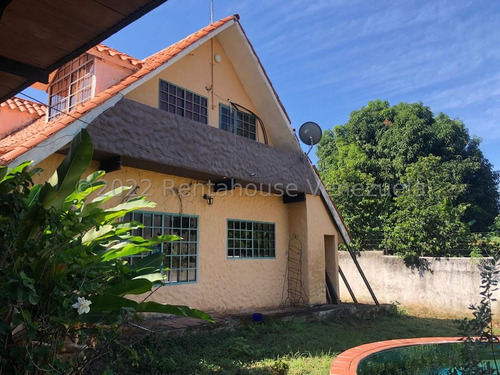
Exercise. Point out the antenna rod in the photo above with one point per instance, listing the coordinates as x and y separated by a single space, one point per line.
211 11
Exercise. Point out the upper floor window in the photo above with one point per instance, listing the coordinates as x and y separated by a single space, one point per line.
182 102
72 85
238 122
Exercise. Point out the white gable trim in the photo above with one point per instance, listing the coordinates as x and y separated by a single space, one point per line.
264 77
258 87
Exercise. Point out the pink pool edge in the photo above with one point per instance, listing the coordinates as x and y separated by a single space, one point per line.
346 363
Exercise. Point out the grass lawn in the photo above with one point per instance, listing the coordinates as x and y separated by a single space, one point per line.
267 347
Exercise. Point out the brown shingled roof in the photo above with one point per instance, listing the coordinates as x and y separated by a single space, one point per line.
24 105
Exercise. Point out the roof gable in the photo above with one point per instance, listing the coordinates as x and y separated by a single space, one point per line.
16 148
41 139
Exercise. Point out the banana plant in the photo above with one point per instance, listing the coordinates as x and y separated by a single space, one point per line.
62 252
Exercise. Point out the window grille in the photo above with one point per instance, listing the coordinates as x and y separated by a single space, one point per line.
181 261
237 122
182 102
250 239
73 84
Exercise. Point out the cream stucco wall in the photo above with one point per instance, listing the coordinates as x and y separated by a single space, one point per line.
319 225
226 284
193 72
223 284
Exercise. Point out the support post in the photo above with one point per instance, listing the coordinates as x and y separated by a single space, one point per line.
360 270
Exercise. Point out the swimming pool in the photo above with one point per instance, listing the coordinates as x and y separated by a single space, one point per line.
422 356
347 362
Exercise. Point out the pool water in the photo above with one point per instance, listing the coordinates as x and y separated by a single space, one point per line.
430 359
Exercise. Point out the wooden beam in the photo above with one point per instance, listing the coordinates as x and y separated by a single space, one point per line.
4 4
23 70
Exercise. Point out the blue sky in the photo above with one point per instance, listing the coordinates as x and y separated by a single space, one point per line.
327 58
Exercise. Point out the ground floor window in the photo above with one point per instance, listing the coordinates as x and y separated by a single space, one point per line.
181 261
250 239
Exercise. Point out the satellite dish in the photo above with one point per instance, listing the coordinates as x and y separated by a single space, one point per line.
310 133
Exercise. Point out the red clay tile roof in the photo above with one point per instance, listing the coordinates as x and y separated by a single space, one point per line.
159 58
24 105
16 144
117 54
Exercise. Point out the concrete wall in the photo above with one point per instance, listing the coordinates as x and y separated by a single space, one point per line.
449 289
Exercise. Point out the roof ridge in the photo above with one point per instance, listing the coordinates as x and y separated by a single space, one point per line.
192 38
114 53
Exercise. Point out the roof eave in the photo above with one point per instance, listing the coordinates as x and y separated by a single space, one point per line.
89 44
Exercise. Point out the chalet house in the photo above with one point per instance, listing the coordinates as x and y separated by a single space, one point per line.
199 129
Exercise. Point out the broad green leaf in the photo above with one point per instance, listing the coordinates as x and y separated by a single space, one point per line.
20 167
109 302
153 240
10 174
69 172
132 204
152 277
137 286
152 261
95 233
111 194
119 211
85 187
125 252
126 228
33 195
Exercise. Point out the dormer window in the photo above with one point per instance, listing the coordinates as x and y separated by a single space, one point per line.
72 85
238 122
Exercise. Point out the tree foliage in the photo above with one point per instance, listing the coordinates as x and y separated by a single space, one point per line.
408 178
62 273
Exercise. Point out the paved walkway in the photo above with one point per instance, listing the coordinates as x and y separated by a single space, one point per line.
156 323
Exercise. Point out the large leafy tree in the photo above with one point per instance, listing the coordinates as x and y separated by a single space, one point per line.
371 162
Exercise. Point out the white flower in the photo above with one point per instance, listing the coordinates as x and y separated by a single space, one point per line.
83 305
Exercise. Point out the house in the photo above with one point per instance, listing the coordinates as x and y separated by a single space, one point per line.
199 129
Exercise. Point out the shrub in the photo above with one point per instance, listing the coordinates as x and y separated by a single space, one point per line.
63 280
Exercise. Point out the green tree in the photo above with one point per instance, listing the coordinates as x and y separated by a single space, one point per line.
427 217
380 144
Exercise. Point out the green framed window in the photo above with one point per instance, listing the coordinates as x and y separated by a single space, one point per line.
238 122
181 261
250 239
182 102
